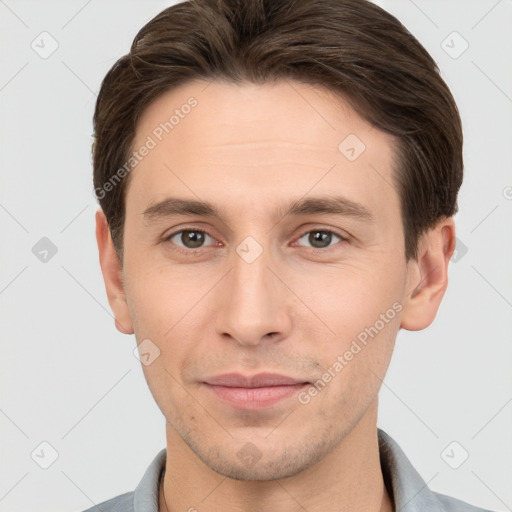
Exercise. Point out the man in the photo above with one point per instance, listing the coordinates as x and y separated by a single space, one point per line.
277 182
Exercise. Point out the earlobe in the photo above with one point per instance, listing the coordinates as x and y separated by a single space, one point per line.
112 275
428 276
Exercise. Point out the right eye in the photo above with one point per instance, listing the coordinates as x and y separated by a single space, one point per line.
189 239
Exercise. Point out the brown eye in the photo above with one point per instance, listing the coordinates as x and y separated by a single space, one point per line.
189 238
320 239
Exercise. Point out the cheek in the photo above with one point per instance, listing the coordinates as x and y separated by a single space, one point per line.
169 308
358 311
169 393
349 297
162 300
354 360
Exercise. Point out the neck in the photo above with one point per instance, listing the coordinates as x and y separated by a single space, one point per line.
349 478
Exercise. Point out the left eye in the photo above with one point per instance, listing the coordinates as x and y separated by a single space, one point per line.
190 238
320 239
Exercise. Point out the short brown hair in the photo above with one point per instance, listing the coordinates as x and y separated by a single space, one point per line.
352 47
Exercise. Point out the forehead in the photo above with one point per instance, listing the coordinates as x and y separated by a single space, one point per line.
269 141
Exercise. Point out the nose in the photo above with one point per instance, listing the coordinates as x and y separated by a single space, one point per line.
254 305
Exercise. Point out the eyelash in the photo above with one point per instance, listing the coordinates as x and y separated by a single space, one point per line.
200 230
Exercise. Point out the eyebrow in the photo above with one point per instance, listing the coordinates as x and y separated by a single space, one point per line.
331 205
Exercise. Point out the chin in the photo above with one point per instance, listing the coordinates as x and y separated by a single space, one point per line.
251 464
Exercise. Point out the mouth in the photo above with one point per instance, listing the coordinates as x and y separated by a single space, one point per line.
252 393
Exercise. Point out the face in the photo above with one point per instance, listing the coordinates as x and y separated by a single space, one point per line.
264 262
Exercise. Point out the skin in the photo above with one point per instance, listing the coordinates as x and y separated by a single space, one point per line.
250 150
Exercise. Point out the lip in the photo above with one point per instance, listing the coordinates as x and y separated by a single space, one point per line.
238 380
256 392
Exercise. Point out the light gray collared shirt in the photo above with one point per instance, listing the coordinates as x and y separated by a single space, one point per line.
408 490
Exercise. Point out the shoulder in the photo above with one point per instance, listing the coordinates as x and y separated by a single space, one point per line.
144 498
409 490
121 503
450 504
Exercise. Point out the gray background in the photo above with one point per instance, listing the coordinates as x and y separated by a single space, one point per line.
68 378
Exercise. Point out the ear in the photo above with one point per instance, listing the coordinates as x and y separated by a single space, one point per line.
428 276
112 275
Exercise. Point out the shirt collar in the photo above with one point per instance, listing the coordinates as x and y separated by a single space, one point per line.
408 490
145 496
